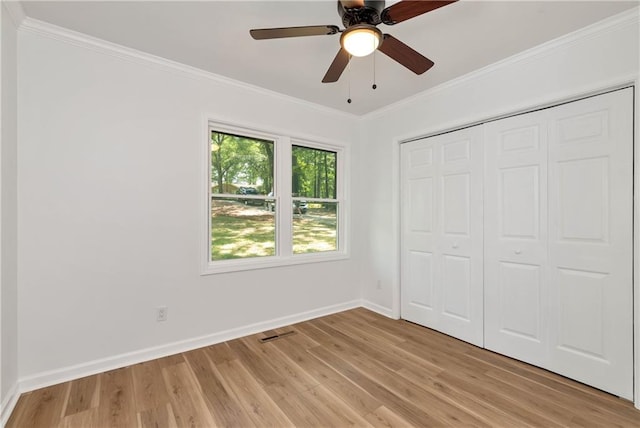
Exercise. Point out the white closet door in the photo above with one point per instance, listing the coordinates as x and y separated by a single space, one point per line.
441 260
418 268
591 241
558 278
516 237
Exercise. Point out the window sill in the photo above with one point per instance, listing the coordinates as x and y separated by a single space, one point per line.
239 265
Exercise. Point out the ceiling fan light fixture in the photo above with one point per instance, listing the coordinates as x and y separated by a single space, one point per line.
361 40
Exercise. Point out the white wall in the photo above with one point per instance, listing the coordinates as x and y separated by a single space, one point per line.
8 214
110 199
592 59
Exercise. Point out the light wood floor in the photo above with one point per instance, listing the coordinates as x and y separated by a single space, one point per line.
352 368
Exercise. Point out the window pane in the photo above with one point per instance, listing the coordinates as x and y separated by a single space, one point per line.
241 164
315 227
242 228
313 173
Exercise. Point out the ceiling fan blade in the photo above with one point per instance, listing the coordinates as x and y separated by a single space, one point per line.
337 66
278 33
408 9
404 55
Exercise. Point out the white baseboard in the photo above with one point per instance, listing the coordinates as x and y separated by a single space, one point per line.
44 379
8 404
379 309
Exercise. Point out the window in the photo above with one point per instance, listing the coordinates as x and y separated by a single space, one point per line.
313 182
271 200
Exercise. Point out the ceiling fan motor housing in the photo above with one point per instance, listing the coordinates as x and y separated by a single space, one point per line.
367 14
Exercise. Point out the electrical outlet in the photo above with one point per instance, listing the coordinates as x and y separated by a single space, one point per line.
161 313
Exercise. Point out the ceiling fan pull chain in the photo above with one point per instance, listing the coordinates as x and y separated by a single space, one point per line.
374 86
349 85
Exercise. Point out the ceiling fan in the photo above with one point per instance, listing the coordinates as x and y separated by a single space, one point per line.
361 35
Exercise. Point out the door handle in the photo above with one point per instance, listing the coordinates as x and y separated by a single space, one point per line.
517 251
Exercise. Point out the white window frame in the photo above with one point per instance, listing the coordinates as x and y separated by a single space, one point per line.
284 256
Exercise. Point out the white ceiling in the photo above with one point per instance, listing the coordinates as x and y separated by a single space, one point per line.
214 36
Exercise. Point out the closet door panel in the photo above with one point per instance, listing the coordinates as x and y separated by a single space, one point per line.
456 281
581 322
420 280
516 237
519 202
519 291
461 239
456 204
419 219
441 260
591 240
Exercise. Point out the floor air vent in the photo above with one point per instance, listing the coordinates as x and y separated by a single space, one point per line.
277 336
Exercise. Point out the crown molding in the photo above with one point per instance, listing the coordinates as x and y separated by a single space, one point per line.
45 29
624 19
15 11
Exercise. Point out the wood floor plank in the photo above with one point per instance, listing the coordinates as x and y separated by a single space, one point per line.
84 394
518 406
355 368
170 360
160 417
349 322
406 409
257 404
117 398
355 345
333 339
293 378
372 345
556 405
260 369
527 375
220 353
225 409
301 340
336 412
446 411
485 362
383 417
302 412
189 407
443 359
419 335
374 357
484 410
148 386
359 399
318 407
87 418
